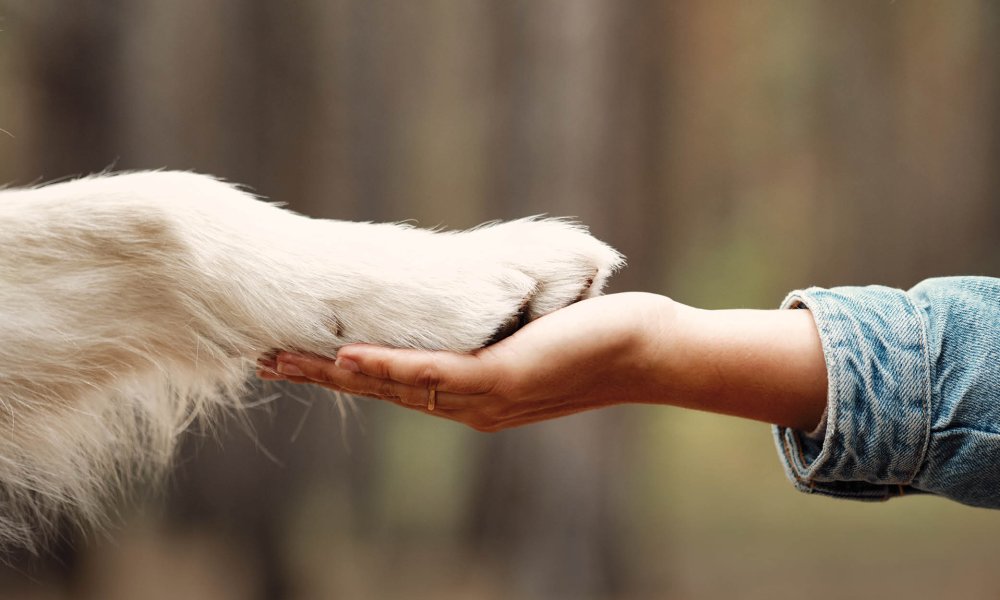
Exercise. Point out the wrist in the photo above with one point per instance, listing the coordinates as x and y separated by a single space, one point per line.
657 350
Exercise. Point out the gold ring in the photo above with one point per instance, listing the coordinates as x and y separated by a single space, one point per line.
431 398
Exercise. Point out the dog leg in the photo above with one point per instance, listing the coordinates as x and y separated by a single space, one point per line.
133 304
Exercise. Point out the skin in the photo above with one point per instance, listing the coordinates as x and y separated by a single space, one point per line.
625 348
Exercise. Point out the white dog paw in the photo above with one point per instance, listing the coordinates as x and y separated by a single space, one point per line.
561 259
461 291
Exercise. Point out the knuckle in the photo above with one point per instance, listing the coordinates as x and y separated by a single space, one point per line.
413 397
307 372
428 375
323 374
380 368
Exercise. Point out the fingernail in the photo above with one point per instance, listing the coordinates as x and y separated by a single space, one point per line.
289 369
348 365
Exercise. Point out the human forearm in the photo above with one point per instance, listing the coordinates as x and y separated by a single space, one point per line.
765 365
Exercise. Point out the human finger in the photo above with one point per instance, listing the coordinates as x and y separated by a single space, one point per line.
439 410
444 371
269 375
327 373
425 400
479 412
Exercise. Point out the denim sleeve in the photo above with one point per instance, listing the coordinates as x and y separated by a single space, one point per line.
914 393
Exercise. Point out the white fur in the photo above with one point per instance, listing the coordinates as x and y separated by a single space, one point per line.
134 304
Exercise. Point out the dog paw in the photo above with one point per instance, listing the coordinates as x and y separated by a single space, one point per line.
563 261
461 291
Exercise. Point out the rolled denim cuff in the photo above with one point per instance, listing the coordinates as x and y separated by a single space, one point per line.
878 413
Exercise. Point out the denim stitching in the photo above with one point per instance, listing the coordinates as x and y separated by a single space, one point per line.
927 390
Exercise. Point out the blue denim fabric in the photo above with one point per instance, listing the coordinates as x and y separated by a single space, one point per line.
914 393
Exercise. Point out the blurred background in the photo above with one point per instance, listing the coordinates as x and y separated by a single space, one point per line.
732 150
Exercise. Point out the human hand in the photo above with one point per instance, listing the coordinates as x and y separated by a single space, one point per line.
594 353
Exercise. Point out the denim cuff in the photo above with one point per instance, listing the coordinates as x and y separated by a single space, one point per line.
878 414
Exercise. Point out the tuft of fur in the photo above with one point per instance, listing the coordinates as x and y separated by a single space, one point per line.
133 305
